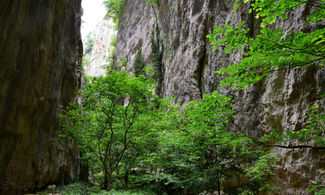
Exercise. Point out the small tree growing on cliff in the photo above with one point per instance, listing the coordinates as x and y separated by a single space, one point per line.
115 111
271 49
114 8
274 50
139 64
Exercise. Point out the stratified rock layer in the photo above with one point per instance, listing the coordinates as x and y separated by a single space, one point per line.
40 71
278 102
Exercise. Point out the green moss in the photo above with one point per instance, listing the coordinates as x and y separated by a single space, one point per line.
157 56
139 64
238 4
154 1
122 62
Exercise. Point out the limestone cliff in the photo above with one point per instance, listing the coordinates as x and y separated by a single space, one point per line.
188 65
100 51
40 60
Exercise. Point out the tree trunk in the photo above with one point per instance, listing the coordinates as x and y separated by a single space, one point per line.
108 182
219 190
105 181
126 178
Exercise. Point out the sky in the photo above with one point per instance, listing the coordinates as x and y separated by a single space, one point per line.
93 12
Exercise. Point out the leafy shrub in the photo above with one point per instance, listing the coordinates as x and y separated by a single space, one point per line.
89 45
139 64
80 188
154 1
114 8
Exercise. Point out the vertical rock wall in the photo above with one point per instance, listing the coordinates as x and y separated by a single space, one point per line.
100 52
40 71
278 102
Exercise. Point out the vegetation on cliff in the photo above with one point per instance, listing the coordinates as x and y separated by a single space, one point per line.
114 8
132 139
271 50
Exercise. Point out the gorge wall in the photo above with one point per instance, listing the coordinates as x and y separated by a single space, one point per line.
40 60
98 48
188 64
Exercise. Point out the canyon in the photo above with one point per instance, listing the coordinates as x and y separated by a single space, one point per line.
41 56
279 102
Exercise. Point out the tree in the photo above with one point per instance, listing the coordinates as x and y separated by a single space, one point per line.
220 153
114 8
198 153
89 44
139 64
115 111
273 50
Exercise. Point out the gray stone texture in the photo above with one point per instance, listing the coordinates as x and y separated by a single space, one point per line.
40 72
278 102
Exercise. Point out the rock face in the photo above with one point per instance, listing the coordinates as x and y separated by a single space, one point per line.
99 53
40 60
188 65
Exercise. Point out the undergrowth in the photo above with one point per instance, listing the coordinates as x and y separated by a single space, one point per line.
80 188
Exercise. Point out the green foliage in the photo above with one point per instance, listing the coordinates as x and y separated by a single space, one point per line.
261 172
114 8
127 192
317 189
85 63
80 188
89 45
268 51
131 139
157 56
195 149
154 1
115 111
314 128
112 57
312 131
271 50
237 4
122 62
114 41
220 152
139 64
151 144
270 10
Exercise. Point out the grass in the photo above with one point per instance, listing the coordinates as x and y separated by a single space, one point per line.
80 188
